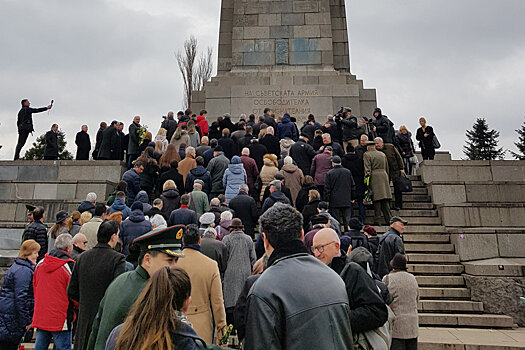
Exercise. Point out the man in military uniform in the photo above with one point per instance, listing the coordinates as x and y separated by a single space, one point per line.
158 248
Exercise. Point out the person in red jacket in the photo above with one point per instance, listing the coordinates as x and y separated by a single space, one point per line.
54 311
203 123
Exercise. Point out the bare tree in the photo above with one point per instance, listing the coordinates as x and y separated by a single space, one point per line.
186 61
204 69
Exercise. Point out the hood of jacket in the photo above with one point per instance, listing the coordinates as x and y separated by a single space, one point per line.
286 143
198 171
118 204
405 137
200 118
236 168
54 260
286 118
136 216
142 197
289 168
270 160
278 196
170 193
379 111
85 206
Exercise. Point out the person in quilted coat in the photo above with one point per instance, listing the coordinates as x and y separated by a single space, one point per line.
16 297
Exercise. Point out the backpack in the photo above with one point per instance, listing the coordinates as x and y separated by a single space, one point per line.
376 339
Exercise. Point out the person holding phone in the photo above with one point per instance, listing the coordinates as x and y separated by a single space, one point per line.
25 123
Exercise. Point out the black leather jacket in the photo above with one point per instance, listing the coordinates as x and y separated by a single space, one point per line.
298 303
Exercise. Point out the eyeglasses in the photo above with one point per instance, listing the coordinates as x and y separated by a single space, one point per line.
84 242
320 248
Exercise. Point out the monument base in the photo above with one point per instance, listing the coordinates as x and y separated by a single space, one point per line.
296 90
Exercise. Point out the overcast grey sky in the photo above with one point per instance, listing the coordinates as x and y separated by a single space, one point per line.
450 61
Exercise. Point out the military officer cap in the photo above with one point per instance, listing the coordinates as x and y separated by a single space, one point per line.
166 240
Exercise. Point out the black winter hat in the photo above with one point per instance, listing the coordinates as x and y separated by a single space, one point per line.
355 224
399 262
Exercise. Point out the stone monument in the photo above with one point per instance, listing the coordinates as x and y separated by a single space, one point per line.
289 55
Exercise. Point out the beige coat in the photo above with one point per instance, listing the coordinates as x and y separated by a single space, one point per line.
405 293
90 229
206 291
293 179
376 167
185 166
268 171
184 138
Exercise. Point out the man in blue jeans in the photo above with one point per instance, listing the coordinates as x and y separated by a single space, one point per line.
54 311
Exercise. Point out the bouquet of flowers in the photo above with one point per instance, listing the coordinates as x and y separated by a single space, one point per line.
368 193
142 133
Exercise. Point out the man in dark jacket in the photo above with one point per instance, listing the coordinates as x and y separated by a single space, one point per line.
184 215
217 166
83 144
134 226
383 127
275 196
37 231
88 204
24 123
272 306
350 129
132 178
257 152
271 142
251 169
170 125
199 172
368 310
352 162
227 144
286 128
268 118
245 209
133 143
98 141
51 151
107 140
214 249
327 141
93 272
303 153
339 192
208 154
390 244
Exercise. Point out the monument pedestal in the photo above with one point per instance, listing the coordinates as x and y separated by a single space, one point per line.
290 56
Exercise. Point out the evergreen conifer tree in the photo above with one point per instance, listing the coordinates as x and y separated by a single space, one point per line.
520 144
36 152
482 143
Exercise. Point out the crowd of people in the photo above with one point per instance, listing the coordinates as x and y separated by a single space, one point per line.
257 224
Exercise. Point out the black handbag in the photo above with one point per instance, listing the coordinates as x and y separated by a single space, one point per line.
403 184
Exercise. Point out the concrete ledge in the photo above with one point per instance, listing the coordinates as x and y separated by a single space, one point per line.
496 267
487 243
470 339
482 214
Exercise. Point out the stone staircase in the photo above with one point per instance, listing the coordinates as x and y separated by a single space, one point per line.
444 297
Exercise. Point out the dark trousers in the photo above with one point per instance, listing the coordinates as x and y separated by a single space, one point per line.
382 206
408 166
362 210
343 215
22 138
404 344
131 159
428 153
320 188
398 195
5 345
50 157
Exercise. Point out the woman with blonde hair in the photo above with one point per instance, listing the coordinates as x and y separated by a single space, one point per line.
85 217
268 171
425 136
74 224
16 296
168 290
158 149
161 136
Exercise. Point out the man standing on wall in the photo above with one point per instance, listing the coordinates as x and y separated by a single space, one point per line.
25 124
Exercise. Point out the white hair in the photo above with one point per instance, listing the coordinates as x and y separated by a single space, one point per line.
158 221
269 130
190 150
379 139
327 135
91 197
78 237
245 151
226 215
215 201
244 187
63 241
364 136
288 160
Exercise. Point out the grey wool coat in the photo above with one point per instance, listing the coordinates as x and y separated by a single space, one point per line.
405 293
376 167
241 257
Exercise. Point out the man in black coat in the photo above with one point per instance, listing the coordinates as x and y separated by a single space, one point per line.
245 209
51 151
227 144
339 192
105 146
93 272
353 162
117 153
276 196
271 142
257 152
24 123
302 153
170 125
37 231
98 141
83 143
133 141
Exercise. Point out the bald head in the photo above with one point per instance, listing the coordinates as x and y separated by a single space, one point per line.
80 241
326 245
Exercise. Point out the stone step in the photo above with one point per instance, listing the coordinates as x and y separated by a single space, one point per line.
409 214
429 247
441 281
418 205
414 177
430 269
444 293
426 238
418 220
409 197
421 258
415 190
465 320
450 306
415 228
